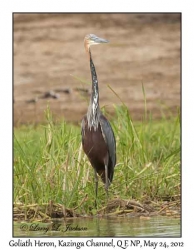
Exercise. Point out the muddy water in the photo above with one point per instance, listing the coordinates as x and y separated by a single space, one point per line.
99 227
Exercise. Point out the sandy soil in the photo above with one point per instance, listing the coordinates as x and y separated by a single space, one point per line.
49 56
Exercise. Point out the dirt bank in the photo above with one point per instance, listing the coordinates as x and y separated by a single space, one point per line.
49 54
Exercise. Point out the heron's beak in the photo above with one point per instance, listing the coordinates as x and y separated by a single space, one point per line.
92 39
100 40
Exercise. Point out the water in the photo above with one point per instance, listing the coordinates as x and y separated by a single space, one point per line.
99 227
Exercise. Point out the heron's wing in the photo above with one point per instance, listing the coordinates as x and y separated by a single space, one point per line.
109 137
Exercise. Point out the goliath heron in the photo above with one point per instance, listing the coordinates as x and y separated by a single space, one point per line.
98 139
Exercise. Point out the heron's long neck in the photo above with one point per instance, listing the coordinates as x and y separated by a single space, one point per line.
93 109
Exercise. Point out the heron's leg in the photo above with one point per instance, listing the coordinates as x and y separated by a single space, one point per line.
106 175
106 181
96 186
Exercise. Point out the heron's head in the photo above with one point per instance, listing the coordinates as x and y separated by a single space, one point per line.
92 39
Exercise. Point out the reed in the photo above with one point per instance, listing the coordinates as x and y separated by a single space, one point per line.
49 164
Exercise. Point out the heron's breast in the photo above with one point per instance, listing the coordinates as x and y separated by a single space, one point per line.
94 144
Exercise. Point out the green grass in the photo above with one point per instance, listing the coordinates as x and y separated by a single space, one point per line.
49 164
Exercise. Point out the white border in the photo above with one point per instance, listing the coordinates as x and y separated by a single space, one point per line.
7 7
